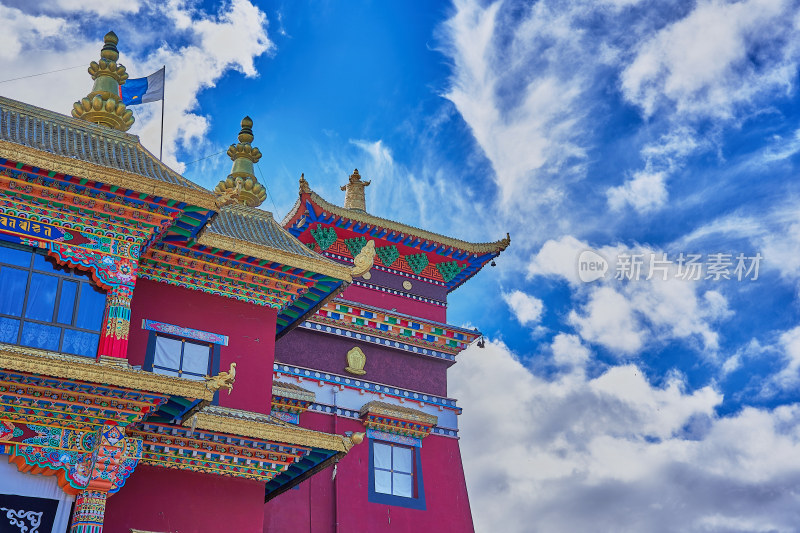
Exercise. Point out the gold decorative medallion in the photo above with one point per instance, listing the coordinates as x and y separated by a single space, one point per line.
407 285
366 275
356 361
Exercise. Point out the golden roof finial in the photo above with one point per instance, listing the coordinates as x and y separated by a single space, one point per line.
103 105
305 188
354 193
241 185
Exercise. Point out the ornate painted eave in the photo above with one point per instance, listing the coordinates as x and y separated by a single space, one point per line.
441 259
261 426
410 232
399 412
428 336
65 366
398 422
282 389
249 231
66 145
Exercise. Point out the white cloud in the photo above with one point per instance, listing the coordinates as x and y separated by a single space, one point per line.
526 308
608 319
790 375
625 316
715 58
534 139
568 351
644 192
615 453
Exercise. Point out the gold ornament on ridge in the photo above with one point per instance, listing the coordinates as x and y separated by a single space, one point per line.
103 105
241 185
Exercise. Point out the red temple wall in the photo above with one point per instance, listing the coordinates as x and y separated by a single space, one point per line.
163 499
389 301
312 507
251 329
327 352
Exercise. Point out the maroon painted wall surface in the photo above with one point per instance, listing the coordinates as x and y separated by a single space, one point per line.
251 329
322 351
313 509
387 301
177 501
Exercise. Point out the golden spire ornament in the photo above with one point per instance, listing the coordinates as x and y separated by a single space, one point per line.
354 193
241 185
103 105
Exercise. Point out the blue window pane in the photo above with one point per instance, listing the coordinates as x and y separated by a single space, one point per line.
383 481
168 353
80 343
12 290
91 308
401 485
157 370
402 459
40 262
382 455
195 358
41 297
8 330
40 336
15 257
67 303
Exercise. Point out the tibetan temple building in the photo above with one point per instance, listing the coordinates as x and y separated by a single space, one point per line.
174 360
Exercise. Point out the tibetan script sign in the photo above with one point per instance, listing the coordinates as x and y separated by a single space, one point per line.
29 228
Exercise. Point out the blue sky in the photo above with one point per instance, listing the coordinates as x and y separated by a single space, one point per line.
622 126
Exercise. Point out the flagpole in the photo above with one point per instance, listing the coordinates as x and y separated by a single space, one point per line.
161 149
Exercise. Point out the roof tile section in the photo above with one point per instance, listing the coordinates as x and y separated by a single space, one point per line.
257 227
58 134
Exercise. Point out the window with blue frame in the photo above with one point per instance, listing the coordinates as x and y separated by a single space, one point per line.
182 357
44 305
395 475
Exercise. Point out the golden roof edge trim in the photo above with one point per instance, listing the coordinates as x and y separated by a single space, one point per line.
64 366
396 411
290 390
268 431
483 247
231 244
110 176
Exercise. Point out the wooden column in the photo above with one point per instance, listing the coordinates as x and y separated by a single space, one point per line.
90 510
116 325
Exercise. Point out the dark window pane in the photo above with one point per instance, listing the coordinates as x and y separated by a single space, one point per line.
41 297
8 330
91 308
15 257
66 305
195 358
80 343
40 262
40 336
12 290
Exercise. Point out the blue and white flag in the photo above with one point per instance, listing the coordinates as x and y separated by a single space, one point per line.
143 90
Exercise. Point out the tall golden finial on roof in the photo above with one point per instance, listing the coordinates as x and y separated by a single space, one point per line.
103 105
241 185
305 188
354 193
